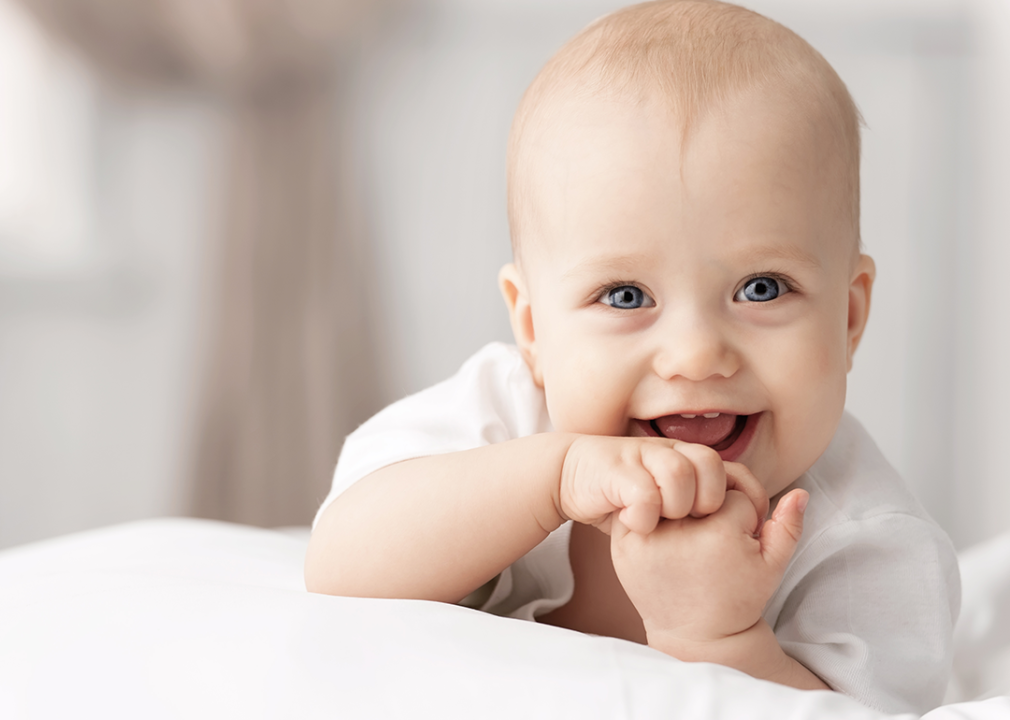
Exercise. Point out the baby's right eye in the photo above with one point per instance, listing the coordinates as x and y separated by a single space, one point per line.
628 297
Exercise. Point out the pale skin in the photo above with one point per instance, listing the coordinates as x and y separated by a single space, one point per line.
686 559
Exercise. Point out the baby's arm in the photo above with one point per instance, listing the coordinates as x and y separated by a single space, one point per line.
701 585
438 527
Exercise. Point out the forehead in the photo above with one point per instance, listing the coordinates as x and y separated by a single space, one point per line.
756 171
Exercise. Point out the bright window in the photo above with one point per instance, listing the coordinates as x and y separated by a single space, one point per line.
46 125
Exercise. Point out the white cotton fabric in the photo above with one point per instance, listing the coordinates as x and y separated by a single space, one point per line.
191 619
868 602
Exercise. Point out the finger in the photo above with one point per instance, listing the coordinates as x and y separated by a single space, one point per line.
709 476
781 534
633 492
618 530
674 476
739 510
641 518
739 477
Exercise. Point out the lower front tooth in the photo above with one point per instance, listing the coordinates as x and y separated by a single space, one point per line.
711 415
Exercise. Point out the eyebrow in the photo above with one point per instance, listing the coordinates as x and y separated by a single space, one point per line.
617 264
765 253
624 264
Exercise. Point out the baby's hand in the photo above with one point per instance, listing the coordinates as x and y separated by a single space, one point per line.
641 480
703 580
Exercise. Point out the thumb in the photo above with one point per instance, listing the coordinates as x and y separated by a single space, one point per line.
641 518
618 530
780 535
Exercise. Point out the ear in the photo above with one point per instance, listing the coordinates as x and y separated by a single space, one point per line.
517 299
860 290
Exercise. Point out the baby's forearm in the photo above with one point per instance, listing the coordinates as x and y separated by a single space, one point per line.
755 651
438 527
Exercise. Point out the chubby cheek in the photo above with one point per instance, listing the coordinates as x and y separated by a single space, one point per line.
809 397
587 390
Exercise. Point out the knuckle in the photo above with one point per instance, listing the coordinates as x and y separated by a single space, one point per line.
705 459
708 456
640 494
711 480
678 465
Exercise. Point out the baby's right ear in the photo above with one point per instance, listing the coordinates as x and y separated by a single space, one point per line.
517 299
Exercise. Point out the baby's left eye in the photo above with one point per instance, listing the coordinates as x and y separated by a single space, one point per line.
761 289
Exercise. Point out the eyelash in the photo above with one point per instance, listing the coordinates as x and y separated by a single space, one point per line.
785 280
604 291
789 283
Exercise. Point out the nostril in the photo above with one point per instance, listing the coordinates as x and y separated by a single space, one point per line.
697 356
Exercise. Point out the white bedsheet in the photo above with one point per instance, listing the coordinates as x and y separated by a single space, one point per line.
197 619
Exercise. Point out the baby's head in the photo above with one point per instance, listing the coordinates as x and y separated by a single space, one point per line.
684 206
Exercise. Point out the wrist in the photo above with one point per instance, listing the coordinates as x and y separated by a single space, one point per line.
566 471
755 651
551 449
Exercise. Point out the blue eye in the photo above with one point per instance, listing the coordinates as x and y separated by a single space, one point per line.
627 297
760 289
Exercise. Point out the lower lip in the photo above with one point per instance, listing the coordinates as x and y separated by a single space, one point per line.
739 446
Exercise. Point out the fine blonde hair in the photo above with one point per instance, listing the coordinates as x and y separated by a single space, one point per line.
691 54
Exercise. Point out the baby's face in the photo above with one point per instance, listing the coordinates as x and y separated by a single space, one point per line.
665 282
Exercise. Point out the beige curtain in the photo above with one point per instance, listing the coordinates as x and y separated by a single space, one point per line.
287 372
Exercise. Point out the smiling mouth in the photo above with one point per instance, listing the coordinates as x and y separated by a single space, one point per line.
719 432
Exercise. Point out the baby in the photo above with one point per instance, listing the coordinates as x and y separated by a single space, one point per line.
686 298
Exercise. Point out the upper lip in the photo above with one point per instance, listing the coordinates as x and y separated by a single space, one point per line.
696 412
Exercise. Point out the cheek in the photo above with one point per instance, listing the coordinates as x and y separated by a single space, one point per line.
588 387
808 386
811 378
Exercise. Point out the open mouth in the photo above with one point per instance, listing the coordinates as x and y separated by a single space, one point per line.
725 433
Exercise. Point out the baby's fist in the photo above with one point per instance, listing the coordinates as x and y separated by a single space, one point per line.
640 480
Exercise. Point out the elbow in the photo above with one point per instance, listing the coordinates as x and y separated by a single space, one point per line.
330 570
314 583
327 568
315 578
322 570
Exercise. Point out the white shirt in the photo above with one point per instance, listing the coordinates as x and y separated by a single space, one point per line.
868 601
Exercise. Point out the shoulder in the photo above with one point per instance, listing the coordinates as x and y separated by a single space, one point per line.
493 392
858 498
497 374
863 528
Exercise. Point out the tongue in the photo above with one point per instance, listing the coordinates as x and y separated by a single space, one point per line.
700 430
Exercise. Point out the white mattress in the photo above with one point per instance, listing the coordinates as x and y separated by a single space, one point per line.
196 619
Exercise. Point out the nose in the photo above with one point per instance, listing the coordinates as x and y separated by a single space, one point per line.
695 348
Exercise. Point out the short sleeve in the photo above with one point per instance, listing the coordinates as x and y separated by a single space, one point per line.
491 399
871 610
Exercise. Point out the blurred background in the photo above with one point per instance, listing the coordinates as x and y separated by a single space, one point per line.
229 232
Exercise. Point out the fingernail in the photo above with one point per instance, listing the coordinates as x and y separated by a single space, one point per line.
801 504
